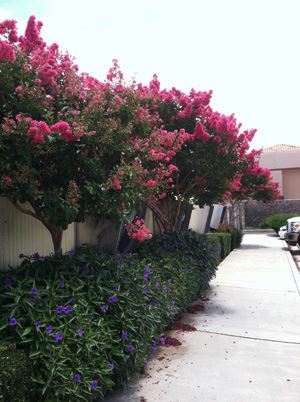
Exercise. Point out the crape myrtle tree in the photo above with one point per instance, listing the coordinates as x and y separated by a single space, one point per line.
251 182
207 159
68 141
54 164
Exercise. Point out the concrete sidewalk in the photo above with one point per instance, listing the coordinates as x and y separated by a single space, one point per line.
247 344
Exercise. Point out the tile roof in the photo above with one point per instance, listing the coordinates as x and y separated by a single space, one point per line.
281 148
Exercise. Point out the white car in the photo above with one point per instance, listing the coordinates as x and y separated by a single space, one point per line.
293 231
282 232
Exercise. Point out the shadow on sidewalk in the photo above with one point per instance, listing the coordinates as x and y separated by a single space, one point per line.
252 246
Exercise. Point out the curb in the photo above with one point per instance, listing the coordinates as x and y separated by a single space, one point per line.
294 269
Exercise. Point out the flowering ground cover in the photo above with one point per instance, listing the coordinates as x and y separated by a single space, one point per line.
87 322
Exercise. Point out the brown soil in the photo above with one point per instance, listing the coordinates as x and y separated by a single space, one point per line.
170 341
180 326
196 308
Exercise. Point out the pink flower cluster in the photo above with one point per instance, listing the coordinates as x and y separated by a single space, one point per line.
137 230
73 192
63 128
7 180
7 52
39 130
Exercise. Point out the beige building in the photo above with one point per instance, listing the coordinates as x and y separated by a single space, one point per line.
284 162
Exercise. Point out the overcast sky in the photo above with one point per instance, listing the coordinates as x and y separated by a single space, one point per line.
246 51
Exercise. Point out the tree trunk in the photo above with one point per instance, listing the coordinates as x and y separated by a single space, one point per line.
167 215
55 231
56 234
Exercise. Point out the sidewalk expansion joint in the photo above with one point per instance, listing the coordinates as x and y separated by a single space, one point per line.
248 337
254 288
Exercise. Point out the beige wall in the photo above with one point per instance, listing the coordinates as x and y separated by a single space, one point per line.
291 183
280 160
285 169
277 176
20 233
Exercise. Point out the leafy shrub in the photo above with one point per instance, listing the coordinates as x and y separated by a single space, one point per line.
236 235
206 251
276 221
225 242
15 372
89 321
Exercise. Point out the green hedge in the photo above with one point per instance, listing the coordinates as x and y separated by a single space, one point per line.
236 235
15 372
88 322
236 238
225 241
276 221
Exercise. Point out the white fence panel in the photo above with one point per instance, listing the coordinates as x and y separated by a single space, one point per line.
20 233
198 219
216 216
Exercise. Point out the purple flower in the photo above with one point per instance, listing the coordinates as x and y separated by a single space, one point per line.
147 272
80 332
76 377
71 253
163 340
34 291
103 309
49 329
12 322
111 366
145 289
157 285
7 281
62 284
68 309
130 348
64 310
209 247
93 385
58 337
112 299
166 290
38 324
59 310
124 335
37 257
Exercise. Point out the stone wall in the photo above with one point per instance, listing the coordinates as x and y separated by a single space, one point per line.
256 211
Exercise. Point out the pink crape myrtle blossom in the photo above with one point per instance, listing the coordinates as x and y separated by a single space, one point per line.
38 130
137 230
7 52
